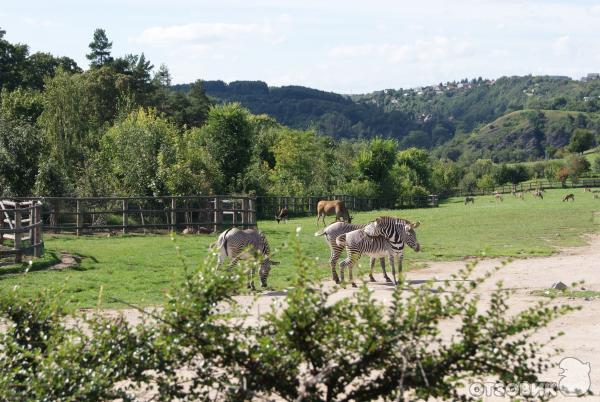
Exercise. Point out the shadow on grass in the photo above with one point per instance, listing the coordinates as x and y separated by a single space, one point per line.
48 260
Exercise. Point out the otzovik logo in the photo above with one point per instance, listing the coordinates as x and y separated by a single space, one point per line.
574 377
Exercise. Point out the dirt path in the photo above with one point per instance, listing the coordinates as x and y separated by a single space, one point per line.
582 328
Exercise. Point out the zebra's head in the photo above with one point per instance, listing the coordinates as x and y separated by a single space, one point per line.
265 268
410 236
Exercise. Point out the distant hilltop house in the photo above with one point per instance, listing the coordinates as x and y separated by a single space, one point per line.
591 77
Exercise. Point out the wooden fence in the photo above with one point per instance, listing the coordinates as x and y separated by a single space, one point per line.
21 225
528 186
267 206
133 214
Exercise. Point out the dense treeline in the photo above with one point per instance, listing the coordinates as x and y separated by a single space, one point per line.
118 128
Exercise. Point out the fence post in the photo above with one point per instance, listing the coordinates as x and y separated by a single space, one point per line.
245 213
17 242
125 215
173 214
78 217
218 214
37 230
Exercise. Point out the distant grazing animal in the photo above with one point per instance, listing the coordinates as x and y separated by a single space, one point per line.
469 200
243 244
596 196
520 195
538 193
498 197
335 207
587 190
570 196
188 230
331 233
282 215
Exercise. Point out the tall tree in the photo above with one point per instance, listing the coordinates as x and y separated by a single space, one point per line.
13 62
100 49
228 137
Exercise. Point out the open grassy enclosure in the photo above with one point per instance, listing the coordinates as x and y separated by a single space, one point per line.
140 269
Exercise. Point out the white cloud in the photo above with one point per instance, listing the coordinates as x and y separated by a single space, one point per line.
211 32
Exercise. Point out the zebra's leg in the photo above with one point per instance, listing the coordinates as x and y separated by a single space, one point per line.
385 275
335 256
372 260
352 259
263 273
394 281
251 277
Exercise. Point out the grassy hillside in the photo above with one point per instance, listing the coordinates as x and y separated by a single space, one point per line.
526 134
140 269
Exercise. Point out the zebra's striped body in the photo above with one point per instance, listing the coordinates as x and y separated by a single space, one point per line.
358 243
243 244
398 232
336 229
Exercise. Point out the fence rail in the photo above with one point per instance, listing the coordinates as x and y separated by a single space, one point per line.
130 214
528 186
20 229
267 206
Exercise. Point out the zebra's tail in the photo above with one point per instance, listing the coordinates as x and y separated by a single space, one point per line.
320 233
341 240
221 241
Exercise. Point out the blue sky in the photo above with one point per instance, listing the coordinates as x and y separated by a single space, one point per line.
343 46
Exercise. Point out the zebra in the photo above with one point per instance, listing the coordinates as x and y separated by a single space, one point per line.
469 200
336 229
395 231
243 244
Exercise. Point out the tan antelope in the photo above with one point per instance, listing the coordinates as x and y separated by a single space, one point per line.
568 197
520 195
498 197
335 207
538 194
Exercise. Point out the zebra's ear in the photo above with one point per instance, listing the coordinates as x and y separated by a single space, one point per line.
416 224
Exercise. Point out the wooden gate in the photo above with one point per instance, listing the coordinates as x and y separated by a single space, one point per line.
20 229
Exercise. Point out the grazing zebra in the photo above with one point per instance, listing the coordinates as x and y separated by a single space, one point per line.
336 229
469 200
243 244
570 196
538 193
396 231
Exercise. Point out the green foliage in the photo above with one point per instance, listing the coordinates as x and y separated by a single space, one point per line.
310 348
20 147
21 104
596 164
228 137
581 140
418 162
132 147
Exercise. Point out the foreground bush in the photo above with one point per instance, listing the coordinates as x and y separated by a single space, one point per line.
204 346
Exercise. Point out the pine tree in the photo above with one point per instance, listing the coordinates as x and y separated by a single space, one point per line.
100 49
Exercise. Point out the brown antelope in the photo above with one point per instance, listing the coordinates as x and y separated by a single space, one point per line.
335 207
282 215
568 197
469 200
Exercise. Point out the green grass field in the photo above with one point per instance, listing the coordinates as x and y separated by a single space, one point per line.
140 269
